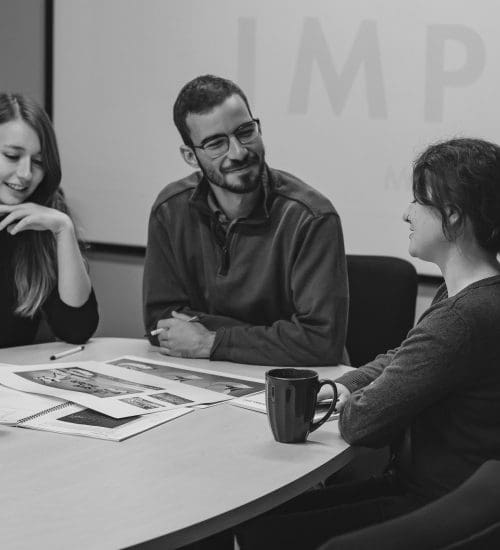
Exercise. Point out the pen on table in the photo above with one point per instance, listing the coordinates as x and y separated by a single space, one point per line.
157 331
67 352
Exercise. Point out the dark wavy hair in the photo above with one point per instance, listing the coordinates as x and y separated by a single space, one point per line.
200 96
462 176
35 259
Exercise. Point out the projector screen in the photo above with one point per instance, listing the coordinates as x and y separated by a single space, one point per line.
348 93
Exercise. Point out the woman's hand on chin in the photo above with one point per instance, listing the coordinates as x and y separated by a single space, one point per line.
34 217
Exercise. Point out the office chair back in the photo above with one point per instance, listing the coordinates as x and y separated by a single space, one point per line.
467 518
383 292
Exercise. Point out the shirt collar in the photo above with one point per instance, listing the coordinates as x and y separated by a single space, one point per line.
215 208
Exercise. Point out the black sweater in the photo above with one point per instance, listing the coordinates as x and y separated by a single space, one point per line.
72 324
441 387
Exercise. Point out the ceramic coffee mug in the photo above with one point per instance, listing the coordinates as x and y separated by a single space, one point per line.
291 396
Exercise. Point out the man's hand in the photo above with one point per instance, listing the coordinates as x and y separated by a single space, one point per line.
184 338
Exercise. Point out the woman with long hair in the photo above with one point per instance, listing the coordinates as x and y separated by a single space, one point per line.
42 271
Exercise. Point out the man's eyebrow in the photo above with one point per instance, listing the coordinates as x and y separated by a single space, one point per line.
245 124
215 136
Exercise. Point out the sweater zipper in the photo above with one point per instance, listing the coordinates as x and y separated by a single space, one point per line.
224 267
225 258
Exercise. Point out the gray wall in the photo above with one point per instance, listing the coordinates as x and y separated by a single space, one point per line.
117 281
117 278
22 47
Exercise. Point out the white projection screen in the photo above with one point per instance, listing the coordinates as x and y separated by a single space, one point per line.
348 93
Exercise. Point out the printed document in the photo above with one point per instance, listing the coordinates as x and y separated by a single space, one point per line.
228 384
107 388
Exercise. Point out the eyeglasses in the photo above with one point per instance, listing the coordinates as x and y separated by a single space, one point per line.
216 146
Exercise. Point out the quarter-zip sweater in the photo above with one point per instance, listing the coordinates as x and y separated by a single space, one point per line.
273 286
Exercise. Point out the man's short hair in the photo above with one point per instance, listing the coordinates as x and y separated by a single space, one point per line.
200 96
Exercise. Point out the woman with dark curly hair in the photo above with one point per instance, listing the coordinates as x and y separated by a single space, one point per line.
42 271
436 398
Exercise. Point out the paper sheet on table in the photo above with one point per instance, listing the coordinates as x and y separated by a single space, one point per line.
257 402
72 419
233 385
106 388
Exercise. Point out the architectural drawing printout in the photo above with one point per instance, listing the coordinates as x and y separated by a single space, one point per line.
107 388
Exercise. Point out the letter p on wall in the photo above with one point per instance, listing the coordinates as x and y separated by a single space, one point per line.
438 77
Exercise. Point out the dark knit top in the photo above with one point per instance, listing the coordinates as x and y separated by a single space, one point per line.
71 324
440 390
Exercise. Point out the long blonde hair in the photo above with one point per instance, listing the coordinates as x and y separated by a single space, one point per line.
35 258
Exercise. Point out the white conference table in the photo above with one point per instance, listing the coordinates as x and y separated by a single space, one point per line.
169 486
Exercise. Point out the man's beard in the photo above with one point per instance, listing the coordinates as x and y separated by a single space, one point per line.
246 183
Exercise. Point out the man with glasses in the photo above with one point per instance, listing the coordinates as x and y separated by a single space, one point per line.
244 263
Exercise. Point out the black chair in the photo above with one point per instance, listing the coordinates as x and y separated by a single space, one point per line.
468 518
383 292
382 296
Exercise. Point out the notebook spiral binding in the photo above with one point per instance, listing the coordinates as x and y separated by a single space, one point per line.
45 411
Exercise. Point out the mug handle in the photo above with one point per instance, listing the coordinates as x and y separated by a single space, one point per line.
316 425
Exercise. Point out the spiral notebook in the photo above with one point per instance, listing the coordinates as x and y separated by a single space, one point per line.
40 413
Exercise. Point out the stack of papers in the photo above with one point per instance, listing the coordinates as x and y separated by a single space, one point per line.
112 400
42 413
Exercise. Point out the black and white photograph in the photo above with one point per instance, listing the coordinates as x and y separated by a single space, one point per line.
140 402
249 274
171 398
101 386
82 380
234 387
88 417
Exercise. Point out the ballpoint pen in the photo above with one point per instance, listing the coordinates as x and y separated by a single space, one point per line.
67 352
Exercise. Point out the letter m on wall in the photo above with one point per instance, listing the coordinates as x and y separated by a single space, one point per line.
365 53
